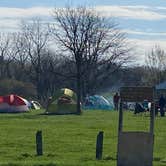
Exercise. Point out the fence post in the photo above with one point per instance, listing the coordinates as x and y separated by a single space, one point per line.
39 143
99 145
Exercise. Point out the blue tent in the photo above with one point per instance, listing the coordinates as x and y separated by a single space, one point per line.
161 89
97 102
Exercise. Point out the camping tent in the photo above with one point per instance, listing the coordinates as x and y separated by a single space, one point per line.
97 102
13 103
35 105
63 102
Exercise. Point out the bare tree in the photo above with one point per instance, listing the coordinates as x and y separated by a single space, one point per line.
105 58
36 37
155 65
6 54
88 40
20 57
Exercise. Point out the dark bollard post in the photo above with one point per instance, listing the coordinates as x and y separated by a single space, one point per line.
39 144
99 145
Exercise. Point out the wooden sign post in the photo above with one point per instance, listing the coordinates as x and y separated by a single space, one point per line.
135 148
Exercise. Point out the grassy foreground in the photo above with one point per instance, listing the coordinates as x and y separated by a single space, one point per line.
70 140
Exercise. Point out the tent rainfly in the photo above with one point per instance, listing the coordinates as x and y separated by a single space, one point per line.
63 102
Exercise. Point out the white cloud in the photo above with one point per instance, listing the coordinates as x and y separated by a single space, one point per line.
143 47
135 12
148 44
10 17
9 25
161 8
128 31
25 12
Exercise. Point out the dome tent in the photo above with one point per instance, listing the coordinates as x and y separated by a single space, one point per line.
35 105
13 103
63 102
97 102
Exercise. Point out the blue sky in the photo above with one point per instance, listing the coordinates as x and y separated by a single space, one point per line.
144 21
30 3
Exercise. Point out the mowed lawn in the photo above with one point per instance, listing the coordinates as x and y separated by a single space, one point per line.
70 140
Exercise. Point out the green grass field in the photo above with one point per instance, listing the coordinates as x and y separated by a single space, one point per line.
70 140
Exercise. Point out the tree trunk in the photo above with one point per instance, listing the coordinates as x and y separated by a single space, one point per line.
38 84
78 89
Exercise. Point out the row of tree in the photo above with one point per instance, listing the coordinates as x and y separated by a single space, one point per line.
80 50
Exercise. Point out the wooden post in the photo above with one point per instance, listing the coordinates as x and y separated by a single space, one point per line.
99 145
120 117
39 144
152 114
152 117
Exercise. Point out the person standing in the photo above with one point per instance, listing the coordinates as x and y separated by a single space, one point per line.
162 103
116 101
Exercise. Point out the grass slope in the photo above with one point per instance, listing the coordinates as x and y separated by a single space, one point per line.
69 140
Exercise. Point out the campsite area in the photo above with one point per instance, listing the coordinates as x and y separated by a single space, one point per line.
70 140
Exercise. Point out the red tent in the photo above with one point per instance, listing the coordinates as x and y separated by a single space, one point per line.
13 103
